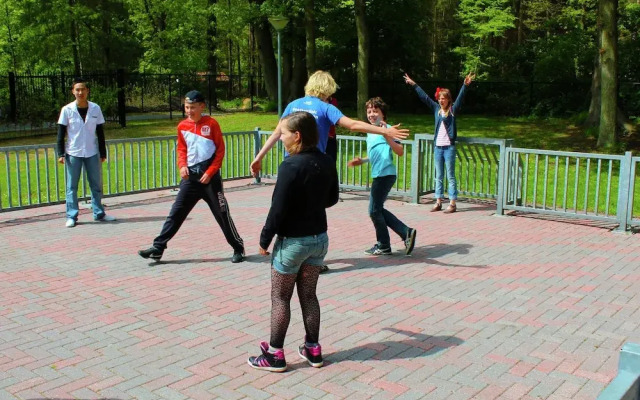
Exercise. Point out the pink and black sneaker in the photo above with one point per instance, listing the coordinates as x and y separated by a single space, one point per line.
268 361
313 354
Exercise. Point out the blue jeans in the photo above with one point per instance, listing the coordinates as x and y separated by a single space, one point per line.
73 169
445 156
382 218
289 253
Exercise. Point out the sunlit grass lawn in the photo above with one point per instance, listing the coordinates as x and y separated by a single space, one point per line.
548 134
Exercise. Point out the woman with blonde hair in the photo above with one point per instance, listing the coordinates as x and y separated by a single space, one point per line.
318 89
307 185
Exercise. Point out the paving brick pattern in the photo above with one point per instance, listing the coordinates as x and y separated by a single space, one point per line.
488 307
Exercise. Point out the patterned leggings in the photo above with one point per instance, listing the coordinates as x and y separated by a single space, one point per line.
281 291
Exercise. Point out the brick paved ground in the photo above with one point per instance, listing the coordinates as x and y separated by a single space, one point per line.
487 307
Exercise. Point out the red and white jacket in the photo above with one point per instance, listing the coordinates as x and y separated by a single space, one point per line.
198 141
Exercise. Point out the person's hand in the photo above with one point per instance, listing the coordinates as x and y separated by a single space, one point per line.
103 159
354 162
184 173
256 166
205 178
469 78
395 133
262 251
61 160
408 80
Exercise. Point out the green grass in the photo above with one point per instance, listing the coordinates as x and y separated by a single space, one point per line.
150 166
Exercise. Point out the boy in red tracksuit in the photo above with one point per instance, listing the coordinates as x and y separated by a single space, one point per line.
200 154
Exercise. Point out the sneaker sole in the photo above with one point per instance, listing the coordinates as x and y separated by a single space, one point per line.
413 242
270 369
379 254
154 258
314 365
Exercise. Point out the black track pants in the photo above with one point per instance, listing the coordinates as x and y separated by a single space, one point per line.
190 193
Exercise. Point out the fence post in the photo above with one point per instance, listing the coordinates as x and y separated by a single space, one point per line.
416 170
622 213
251 84
63 89
209 89
170 107
13 103
122 110
502 167
531 95
256 148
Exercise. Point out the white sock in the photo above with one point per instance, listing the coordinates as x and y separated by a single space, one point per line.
273 350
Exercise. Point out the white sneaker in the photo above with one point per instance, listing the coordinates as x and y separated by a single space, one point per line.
70 223
107 218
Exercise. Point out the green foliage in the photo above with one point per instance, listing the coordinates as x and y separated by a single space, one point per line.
483 20
106 98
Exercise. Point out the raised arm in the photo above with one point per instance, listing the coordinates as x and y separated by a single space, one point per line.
421 93
463 90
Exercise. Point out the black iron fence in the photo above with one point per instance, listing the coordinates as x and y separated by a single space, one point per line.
29 104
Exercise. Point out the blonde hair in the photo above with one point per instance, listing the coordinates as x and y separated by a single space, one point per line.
320 84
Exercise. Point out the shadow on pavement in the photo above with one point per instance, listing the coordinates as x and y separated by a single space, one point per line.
249 258
125 220
416 345
423 254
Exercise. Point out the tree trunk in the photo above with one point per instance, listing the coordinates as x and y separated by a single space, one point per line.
287 44
12 47
75 41
212 60
106 29
309 23
300 65
608 16
363 58
267 58
593 119
520 14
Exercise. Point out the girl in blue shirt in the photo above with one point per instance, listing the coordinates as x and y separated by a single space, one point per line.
380 150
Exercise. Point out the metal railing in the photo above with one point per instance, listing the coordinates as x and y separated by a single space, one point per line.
633 216
477 165
33 176
626 384
576 185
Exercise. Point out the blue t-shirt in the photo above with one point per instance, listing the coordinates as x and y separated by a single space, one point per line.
325 114
380 156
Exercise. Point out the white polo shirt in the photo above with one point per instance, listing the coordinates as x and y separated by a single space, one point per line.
81 135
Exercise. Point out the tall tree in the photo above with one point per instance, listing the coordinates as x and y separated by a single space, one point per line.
309 26
75 39
8 21
363 58
212 59
608 24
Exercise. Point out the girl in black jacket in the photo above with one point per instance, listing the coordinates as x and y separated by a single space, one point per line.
307 184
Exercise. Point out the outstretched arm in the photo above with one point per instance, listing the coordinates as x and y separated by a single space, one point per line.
358 126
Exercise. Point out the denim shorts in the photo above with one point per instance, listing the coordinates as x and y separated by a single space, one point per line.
289 253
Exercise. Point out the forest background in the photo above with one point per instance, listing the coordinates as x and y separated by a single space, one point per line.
551 49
